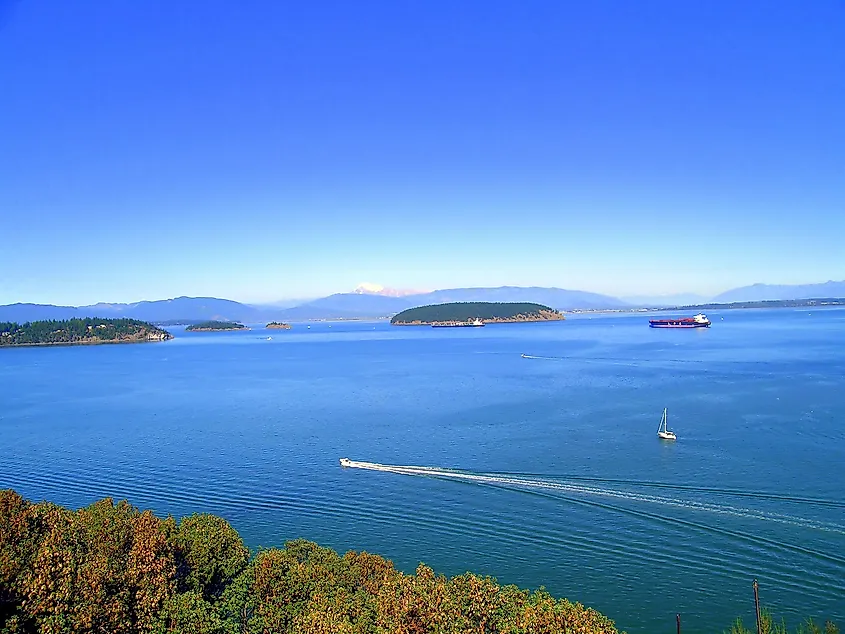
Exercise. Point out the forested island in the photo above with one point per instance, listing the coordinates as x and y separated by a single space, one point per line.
79 331
278 325
457 313
215 326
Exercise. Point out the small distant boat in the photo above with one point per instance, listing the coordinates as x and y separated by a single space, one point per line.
699 321
345 462
475 323
662 431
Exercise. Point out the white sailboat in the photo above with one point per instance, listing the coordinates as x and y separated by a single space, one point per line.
662 431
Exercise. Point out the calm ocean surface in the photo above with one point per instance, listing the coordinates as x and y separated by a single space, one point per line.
576 491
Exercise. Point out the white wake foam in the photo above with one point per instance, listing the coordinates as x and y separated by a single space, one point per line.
581 489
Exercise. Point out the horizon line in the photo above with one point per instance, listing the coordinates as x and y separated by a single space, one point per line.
705 297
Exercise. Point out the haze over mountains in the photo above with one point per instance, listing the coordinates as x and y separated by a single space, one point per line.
373 301
179 308
760 292
365 301
660 301
379 304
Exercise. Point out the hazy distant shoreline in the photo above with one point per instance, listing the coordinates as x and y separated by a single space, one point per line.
774 303
356 307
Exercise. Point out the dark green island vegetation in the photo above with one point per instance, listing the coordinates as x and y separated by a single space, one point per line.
215 326
467 312
90 330
110 567
278 325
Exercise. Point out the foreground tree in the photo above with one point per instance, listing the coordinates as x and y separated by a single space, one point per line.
210 555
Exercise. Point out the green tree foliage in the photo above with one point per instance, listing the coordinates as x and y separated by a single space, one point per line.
210 554
467 311
91 330
106 567
237 605
112 568
23 527
187 612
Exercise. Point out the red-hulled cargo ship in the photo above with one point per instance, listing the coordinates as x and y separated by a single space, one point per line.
699 321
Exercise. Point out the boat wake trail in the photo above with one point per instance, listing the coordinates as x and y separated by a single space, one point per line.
584 489
758 495
608 360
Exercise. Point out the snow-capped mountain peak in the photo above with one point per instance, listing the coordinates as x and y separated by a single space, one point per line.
367 288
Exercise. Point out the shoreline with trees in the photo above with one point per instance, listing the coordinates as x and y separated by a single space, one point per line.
71 332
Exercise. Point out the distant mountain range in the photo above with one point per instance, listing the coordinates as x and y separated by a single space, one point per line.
348 306
339 306
758 292
557 298
371 301
662 301
181 308
376 304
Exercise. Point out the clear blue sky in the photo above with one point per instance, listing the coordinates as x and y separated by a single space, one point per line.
265 150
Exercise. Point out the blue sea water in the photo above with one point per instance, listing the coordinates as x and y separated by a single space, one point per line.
570 486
